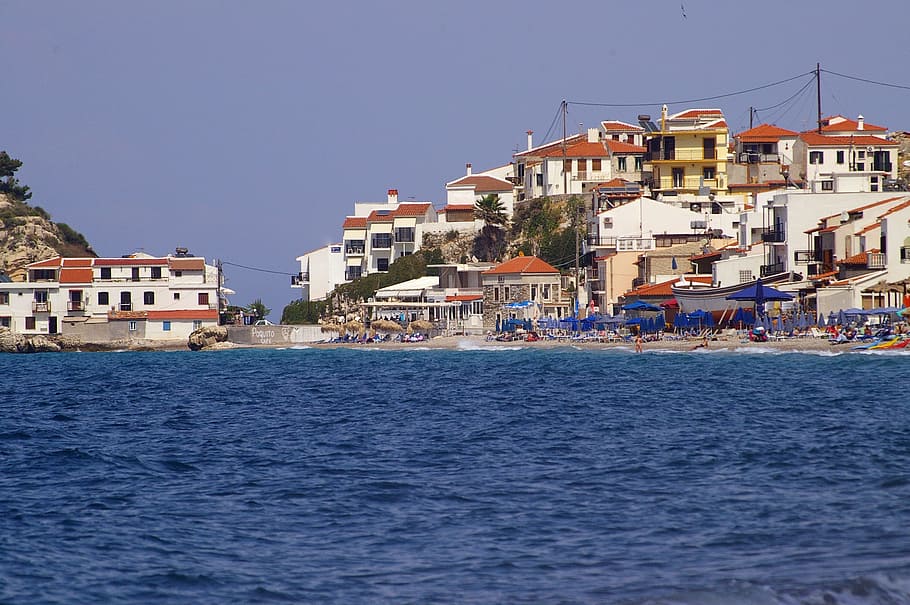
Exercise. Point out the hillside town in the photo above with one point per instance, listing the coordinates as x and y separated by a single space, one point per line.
674 212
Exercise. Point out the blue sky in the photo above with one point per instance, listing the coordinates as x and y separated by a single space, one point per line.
246 131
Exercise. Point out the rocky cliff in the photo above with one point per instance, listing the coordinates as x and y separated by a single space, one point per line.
27 235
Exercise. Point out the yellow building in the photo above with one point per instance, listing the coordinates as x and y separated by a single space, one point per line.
687 152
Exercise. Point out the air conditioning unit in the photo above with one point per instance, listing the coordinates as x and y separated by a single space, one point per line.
608 222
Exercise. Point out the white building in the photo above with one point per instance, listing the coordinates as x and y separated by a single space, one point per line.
136 297
321 270
472 187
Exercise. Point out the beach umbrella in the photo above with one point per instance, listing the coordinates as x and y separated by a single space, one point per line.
821 320
639 305
332 327
842 317
760 294
385 325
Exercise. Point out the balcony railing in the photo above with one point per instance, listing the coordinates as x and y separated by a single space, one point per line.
300 278
126 306
805 257
602 241
747 157
905 254
41 307
382 243
75 305
766 270
875 260
773 236
591 175
689 155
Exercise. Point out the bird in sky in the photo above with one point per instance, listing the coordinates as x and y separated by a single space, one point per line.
683 7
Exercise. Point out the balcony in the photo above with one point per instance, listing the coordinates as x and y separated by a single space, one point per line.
805 257
680 155
75 305
301 278
773 236
382 243
41 307
875 260
766 270
603 241
905 254
747 157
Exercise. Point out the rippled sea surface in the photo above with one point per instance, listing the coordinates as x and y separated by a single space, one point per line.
465 476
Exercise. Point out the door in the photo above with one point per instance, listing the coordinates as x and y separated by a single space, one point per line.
678 177
52 325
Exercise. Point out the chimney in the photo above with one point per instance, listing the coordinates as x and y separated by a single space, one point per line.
468 169
663 118
530 140
860 122
393 196
593 135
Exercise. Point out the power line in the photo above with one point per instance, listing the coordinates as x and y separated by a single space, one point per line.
867 81
224 262
680 102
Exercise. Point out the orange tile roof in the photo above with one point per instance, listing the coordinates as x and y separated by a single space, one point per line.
696 113
129 262
458 208
862 208
765 133
76 275
583 149
522 264
380 216
616 182
705 255
846 124
623 147
617 126
826 274
412 209
77 262
544 149
186 264
49 263
183 314
718 124
354 222
871 227
664 288
820 140
463 297
858 259
896 208
483 183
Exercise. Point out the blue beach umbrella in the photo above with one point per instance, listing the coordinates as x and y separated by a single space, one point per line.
821 320
841 317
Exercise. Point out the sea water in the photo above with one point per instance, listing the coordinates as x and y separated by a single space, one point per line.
480 475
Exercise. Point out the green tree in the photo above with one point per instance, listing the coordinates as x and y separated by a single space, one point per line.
10 185
257 309
490 243
304 312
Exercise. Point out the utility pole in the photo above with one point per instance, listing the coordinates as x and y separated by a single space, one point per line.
818 93
573 207
751 113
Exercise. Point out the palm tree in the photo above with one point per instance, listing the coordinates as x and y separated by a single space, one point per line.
490 242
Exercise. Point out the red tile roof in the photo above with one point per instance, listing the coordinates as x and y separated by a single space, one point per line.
582 149
623 147
522 264
718 124
354 222
76 275
49 263
129 262
846 124
858 259
77 262
696 113
896 208
826 274
483 183
820 140
617 126
186 264
663 288
765 133
617 182
412 209
544 149
458 208
463 297
380 216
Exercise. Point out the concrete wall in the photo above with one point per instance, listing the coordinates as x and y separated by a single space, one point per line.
276 335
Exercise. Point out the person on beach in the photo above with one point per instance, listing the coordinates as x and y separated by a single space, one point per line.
703 345
638 341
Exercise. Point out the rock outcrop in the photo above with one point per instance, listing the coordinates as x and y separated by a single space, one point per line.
207 337
20 343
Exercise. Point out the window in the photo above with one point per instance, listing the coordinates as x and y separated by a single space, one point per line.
382 240
816 157
708 173
382 264
859 166
178 273
6 322
595 164
30 323
104 299
148 298
507 295
404 235
840 157
156 272
533 292
638 163
708 147
126 301
133 326
678 177
827 185
621 163
545 291
4 298
861 155
745 276
567 165
166 326
203 298
582 165
105 272
539 179
134 273
197 323
41 296
496 294
176 295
